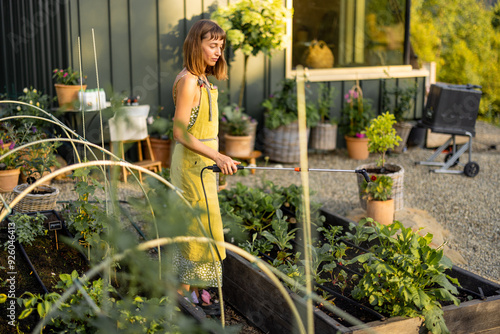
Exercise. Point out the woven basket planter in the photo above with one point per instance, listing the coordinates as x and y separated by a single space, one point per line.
403 130
282 143
396 172
36 202
324 137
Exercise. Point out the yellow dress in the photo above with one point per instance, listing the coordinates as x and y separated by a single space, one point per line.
193 261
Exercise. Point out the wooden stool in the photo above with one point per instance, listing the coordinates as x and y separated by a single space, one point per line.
152 164
251 158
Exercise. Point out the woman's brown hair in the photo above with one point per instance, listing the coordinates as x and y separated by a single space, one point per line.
193 56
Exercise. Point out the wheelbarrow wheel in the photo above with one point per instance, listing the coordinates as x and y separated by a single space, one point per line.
471 169
448 157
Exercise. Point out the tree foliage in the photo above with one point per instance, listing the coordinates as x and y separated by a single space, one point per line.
463 38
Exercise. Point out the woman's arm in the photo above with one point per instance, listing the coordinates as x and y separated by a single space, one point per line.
186 95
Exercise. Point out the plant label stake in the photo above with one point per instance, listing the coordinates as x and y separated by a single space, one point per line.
363 171
54 226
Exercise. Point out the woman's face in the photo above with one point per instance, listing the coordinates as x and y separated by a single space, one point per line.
211 49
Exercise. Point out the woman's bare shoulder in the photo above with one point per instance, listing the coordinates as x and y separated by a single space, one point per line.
186 79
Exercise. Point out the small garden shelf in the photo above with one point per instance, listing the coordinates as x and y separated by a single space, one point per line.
253 294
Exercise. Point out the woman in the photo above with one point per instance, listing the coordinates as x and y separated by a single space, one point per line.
195 131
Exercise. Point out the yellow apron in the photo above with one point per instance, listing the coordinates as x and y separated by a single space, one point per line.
185 172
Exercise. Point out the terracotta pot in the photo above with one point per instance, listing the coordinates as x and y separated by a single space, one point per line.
223 128
9 179
162 150
357 148
324 137
67 95
238 146
381 211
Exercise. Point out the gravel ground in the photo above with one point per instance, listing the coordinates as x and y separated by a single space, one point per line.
467 207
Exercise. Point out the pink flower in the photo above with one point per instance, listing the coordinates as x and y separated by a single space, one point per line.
355 94
12 145
1 142
360 135
61 71
65 75
346 96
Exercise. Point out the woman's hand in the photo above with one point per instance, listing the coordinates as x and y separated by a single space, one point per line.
226 164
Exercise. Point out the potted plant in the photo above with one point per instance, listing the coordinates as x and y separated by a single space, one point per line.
239 128
380 204
253 26
355 116
281 128
9 172
160 130
382 137
324 134
403 102
67 84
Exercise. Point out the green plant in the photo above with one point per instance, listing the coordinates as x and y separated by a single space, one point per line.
356 113
27 227
281 107
382 136
403 100
256 246
280 235
67 76
404 276
326 99
161 127
234 121
83 311
379 189
84 218
361 232
38 159
253 26
9 162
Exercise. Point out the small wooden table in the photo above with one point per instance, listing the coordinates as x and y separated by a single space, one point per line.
251 158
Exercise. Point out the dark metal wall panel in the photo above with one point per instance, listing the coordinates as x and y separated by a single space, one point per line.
144 58
120 46
31 46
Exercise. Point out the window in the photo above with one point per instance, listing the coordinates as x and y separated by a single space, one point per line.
368 35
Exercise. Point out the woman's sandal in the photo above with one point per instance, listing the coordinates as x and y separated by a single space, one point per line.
207 304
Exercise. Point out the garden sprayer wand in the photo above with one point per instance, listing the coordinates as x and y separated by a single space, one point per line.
363 172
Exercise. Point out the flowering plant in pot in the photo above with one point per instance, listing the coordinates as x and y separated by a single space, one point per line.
382 137
380 205
67 84
355 116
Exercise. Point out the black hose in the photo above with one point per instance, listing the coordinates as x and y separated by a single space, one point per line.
208 214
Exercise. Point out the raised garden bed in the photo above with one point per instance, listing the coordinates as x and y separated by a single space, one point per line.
251 293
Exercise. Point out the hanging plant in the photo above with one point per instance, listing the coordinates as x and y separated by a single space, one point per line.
254 26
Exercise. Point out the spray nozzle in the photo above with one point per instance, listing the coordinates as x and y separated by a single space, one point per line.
364 173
